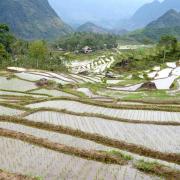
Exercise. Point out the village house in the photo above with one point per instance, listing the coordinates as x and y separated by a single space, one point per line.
86 50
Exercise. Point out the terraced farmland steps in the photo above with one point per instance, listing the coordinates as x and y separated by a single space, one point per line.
131 114
105 139
40 161
54 128
75 120
98 65
21 136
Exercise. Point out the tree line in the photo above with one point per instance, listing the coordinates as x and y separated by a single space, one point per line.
167 49
40 54
29 54
78 40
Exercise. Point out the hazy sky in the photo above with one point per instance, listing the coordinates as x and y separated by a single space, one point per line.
128 4
94 10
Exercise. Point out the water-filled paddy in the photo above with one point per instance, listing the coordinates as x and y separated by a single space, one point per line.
17 156
151 136
74 106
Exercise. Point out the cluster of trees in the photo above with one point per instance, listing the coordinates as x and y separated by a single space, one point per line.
6 40
167 49
168 44
78 40
37 54
29 54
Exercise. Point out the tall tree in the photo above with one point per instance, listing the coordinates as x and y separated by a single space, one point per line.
168 43
38 51
6 38
3 53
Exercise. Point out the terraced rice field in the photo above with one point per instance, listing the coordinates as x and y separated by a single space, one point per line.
56 135
16 84
162 78
30 76
82 79
151 136
128 88
35 77
164 83
87 92
9 111
61 76
121 113
53 165
11 93
54 93
98 65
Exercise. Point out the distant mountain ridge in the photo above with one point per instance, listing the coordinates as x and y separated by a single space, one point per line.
150 12
167 24
32 19
169 19
91 27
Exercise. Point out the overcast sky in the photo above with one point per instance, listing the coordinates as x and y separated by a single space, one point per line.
83 10
123 3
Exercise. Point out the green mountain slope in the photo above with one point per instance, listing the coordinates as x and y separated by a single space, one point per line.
90 27
148 13
168 24
93 28
32 19
169 19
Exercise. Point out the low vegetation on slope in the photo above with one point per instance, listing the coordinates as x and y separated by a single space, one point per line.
167 49
167 24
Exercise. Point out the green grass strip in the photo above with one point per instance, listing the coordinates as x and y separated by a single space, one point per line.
157 169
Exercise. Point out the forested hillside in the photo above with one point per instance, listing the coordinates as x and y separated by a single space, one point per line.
32 19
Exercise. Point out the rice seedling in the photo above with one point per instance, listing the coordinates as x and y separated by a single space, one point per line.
56 137
42 162
120 113
119 144
66 134
86 154
146 135
157 169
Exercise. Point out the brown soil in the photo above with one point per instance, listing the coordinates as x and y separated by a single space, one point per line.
10 176
148 85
